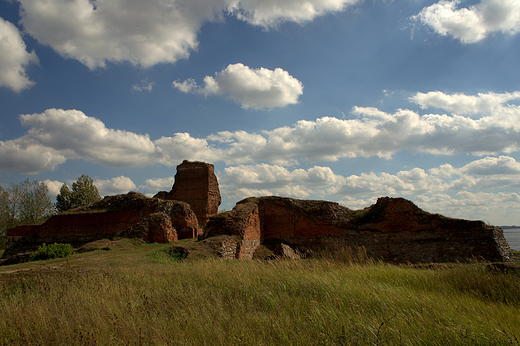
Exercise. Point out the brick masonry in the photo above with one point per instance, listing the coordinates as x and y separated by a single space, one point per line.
197 185
393 230
130 215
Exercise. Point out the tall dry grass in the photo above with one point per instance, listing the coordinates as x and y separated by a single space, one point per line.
308 302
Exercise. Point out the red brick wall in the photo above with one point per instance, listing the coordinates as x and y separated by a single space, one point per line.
131 215
393 230
197 185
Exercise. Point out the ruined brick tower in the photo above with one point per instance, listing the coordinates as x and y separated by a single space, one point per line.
197 185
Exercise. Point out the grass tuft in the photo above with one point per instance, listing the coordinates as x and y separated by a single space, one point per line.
171 254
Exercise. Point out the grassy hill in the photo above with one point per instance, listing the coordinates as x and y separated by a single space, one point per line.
129 293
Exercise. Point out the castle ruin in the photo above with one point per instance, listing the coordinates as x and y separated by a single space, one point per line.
393 229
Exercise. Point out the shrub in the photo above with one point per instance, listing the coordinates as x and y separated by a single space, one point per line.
51 251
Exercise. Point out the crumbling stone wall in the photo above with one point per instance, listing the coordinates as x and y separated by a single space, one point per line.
243 221
197 185
393 230
130 215
167 217
228 248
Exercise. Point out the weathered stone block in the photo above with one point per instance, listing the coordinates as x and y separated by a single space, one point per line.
287 252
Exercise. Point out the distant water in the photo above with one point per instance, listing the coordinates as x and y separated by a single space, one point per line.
512 236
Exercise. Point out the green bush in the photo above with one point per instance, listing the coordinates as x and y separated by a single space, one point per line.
51 251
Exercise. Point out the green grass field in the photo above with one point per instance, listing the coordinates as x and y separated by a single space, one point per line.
136 294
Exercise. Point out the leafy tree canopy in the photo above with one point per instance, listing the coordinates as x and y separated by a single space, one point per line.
26 203
84 192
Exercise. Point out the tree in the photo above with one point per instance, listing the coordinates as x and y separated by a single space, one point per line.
25 203
63 199
5 214
5 220
84 192
35 204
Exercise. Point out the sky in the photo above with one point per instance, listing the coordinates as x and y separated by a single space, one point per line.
339 100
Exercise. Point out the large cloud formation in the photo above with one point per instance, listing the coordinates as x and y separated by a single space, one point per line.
251 88
486 173
377 133
14 58
93 32
472 24
57 135
469 191
146 33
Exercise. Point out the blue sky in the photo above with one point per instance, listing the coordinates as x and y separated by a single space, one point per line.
343 100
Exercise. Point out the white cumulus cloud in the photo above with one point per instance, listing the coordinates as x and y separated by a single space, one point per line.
14 58
493 166
265 180
114 186
159 184
474 23
24 155
74 135
57 135
268 13
497 208
375 133
486 173
251 88
357 203
182 146
146 33
385 184
464 104
465 192
54 187
273 175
